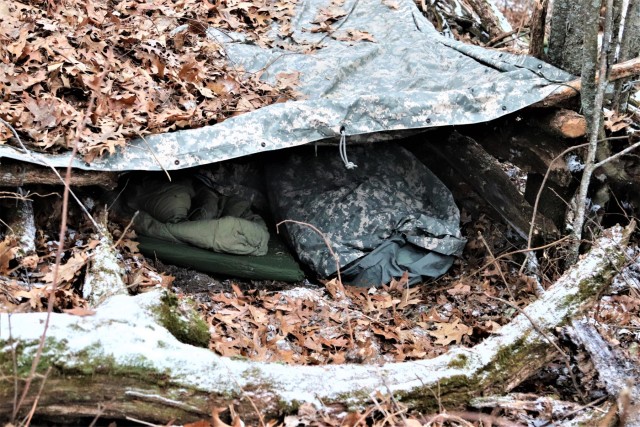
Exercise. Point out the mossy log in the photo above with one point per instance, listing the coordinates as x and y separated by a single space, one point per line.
123 362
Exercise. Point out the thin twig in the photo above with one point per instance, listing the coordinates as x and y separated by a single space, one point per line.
42 160
335 257
326 242
246 396
497 264
27 421
595 116
520 251
98 415
144 423
544 181
395 402
154 156
59 251
443 416
115 245
332 31
617 155
575 411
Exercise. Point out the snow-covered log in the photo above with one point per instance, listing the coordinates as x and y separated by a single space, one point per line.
21 225
104 278
618 374
123 361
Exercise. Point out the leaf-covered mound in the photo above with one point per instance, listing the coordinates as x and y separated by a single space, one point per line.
99 73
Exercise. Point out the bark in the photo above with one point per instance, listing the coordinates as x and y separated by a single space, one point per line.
615 371
629 48
528 146
21 226
104 277
484 174
538 24
566 34
19 174
491 18
592 103
590 61
555 410
123 360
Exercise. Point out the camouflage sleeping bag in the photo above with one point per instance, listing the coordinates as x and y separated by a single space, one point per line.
388 215
181 212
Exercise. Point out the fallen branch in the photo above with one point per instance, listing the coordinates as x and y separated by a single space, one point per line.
561 123
21 226
617 373
101 358
19 174
570 89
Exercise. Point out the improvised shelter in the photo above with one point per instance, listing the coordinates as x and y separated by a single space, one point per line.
408 79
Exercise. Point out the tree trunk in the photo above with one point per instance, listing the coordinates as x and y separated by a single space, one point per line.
538 24
567 34
629 48
123 362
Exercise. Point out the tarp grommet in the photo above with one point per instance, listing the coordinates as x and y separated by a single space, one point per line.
263 144
176 162
504 108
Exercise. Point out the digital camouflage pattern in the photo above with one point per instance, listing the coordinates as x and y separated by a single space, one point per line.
409 77
389 197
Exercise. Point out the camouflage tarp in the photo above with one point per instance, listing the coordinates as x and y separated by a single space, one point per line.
410 77
386 216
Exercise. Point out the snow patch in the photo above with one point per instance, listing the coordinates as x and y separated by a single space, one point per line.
574 163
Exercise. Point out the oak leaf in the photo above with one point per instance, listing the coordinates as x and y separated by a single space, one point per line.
446 333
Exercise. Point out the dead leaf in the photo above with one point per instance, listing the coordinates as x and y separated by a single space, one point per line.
67 271
78 311
460 289
43 110
355 36
446 333
615 122
130 245
8 250
200 423
391 4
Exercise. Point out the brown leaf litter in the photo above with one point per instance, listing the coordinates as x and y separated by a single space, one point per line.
146 74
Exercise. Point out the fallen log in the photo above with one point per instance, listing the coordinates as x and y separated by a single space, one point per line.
484 174
570 89
104 277
549 408
19 174
123 362
618 374
21 226
561 122
490 17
